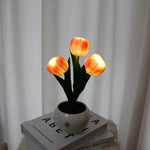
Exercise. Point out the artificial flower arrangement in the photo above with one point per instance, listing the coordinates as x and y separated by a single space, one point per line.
94 65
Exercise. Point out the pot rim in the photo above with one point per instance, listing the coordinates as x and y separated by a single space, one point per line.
79 113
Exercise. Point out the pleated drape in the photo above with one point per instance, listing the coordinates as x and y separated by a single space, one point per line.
20 72
119 31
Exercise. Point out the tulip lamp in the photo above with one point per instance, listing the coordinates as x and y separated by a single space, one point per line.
71 115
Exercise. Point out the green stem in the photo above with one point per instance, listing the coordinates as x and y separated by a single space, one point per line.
78 59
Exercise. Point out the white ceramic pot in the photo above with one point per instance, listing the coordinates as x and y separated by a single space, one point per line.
72 122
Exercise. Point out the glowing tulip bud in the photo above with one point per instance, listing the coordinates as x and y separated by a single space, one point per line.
79 46
95 65
57 66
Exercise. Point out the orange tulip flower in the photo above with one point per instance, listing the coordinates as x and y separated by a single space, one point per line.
57 66
79 46
95 65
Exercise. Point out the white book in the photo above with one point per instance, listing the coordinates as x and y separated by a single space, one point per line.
48 136
98 138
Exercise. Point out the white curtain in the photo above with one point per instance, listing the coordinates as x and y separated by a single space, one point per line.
33 31
20 67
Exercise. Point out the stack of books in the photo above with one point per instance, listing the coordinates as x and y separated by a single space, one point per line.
44 134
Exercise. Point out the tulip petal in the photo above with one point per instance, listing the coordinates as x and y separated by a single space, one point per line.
79 46
95 65
57 66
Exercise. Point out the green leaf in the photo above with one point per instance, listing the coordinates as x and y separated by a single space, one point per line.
60 80
76 65
68 83
65 87
76 70
82 81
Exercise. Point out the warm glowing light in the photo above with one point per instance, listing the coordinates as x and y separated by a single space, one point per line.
95 65
57 66
79 46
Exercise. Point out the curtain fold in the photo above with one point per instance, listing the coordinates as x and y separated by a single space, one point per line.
31 32
131 74
144 138
20 66
118 30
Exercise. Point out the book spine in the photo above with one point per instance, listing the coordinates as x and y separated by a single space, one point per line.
96 144
79 142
